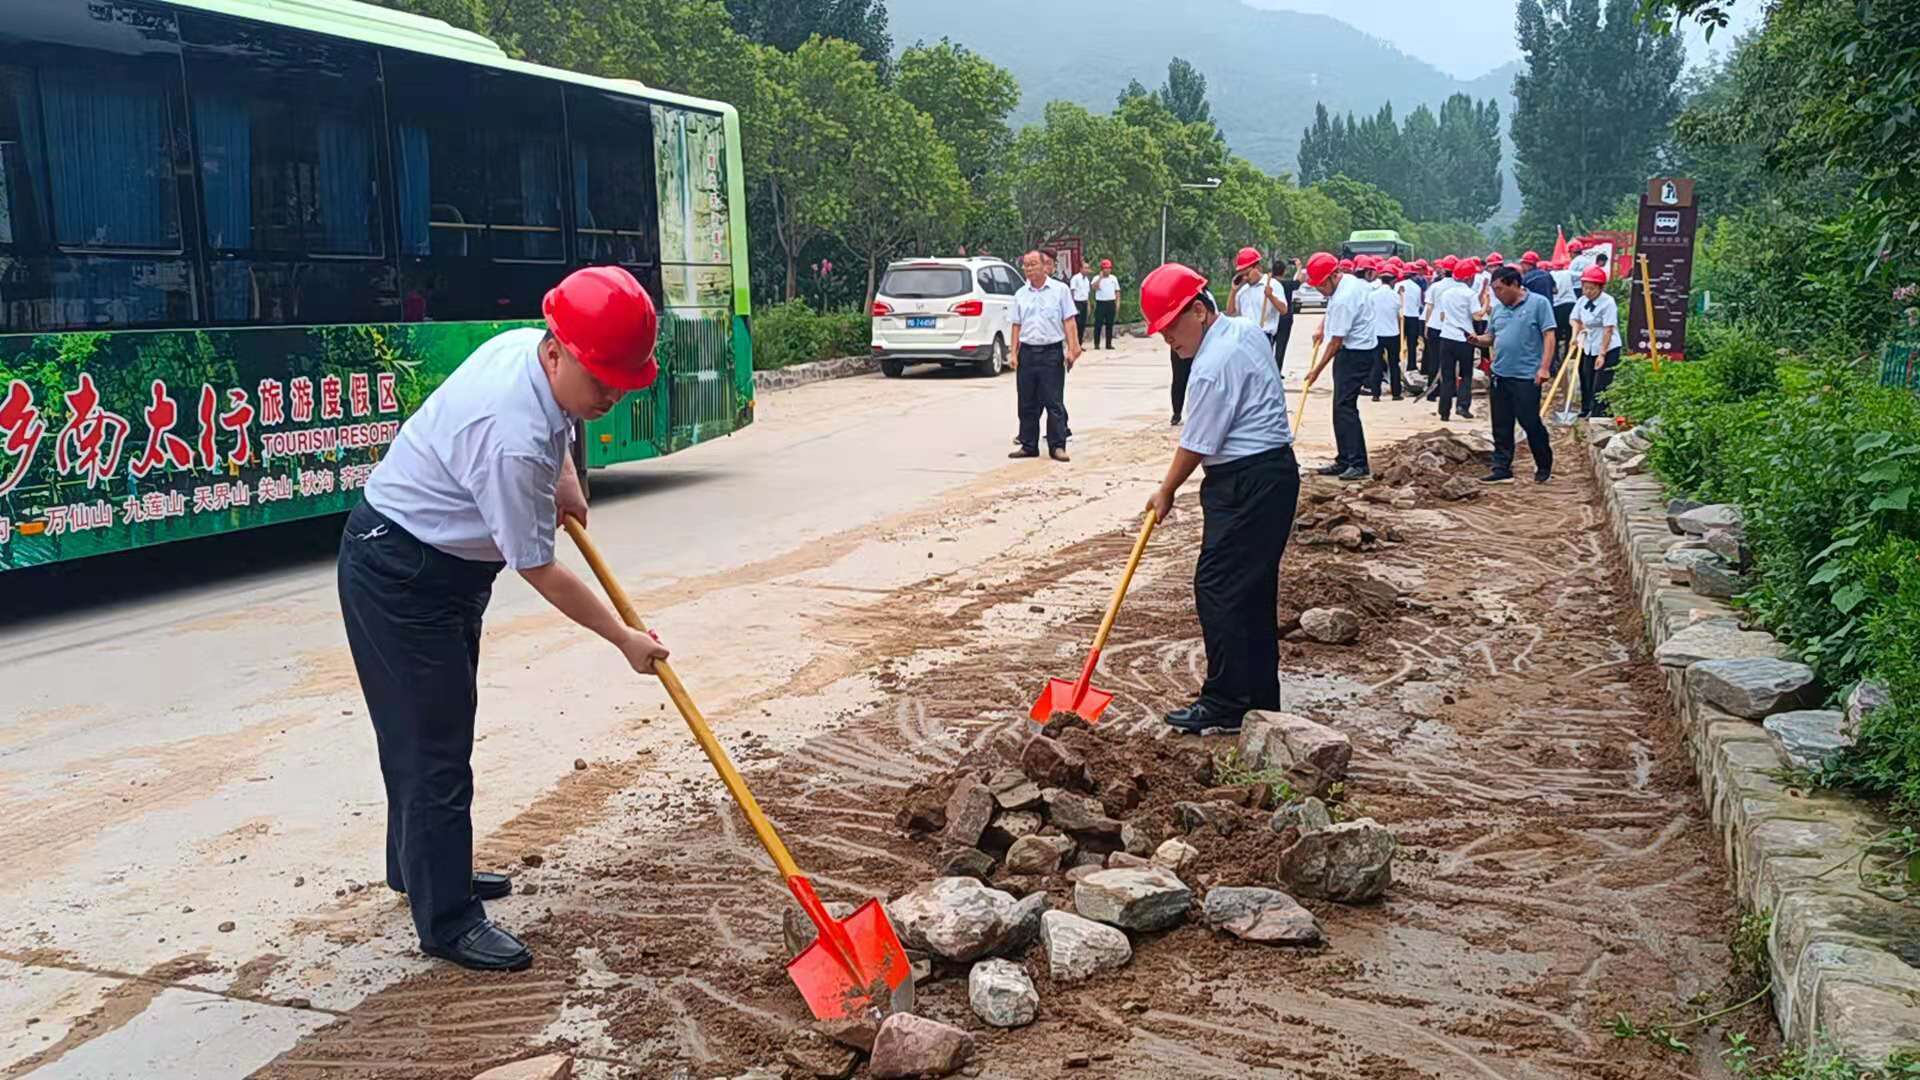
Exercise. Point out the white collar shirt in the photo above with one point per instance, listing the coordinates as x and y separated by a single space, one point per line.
1386 310
1106 287
1236 402
474 469
1250 300
1350 315
1563 291
1042 313
1080 286
1594 316
1410 293
1452 309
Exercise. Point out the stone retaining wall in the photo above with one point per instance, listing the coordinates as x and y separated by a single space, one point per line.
1844 960
787 378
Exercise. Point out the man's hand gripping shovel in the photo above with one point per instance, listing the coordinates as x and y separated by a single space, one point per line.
857 966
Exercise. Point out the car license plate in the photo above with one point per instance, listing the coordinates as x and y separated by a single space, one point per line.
920 322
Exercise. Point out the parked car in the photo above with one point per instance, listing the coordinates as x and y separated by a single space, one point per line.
1306 296
944 311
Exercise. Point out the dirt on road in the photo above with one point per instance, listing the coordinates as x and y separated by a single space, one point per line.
1555 868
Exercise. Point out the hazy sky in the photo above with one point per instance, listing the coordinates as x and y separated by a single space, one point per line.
1468 38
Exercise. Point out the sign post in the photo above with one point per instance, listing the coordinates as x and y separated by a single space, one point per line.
1664 248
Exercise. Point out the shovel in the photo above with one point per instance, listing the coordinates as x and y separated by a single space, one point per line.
856 967
1082 697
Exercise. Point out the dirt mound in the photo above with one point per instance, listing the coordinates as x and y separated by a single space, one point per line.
1439 465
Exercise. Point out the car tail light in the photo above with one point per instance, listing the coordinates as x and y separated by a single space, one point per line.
881 307
970 308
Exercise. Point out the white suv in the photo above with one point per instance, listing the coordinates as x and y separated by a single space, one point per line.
944 311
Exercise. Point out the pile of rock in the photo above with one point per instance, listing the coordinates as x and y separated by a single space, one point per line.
1439 464
1714 558
1625 453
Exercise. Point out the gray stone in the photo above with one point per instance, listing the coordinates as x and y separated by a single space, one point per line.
1632 466
819 1056
1120 860
1137 837
955 918
1682 558
1731 546
1676 507
1808 736
1865 697
1754 688
1717 640
913 1046
1013 790
1079 814
1078 949
1702 520
1012 825
1038 854
1623 446
1001 994
1052 764
1716 580
1023 924
969 809
1147 898
1307 815
966 862
1313 756
1330 626
1349 537
799 931
1175 855
1081 873
1268 916
1351 862
1222 817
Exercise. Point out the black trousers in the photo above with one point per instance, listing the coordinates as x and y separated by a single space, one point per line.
1351 370
1080 319
1518 401
1563 324
1430 362
1247 508
413 616
1411 329
1182 369
1042 383
1103 311
1593 384
1480 327
1280 340
1387 363
1455 375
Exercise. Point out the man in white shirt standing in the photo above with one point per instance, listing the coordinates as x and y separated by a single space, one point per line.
1412 330
1237 428
1106 302
1256 297
1082 290
1566 290
1450 315
1596 318
1577 258
476 483
1350 346
1386 326
1045 345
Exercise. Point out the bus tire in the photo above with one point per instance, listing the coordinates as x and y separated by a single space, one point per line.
892 369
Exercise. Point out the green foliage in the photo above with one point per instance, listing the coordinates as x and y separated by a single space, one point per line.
1185 93
1367 206
968 99
1749 947
1745 1062
786 25
1230 771
1444 167
792 333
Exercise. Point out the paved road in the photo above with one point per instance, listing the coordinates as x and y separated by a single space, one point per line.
183 745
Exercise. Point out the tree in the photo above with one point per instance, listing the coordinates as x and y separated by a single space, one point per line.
968 98
1368 206
908 184
1185 93
1307 220
786 24
1591 108
807 126
1317 147
1467 160
1077 174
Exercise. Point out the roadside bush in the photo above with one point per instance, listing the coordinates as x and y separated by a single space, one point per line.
793 333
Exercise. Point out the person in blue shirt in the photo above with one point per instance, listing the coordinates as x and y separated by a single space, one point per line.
1521 334
1535 277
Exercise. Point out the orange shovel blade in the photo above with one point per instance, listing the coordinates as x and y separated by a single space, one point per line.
1058 697
835 993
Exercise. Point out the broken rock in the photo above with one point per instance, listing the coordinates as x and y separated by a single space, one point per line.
1682 558
1313 756
956 918
545 1067
1175 855
1717 580
1138 837
815 1055
1052 764
1676 507
969 809
1037 854
1120 860
1716 641
912 1046
1731 546
1459 489
1013 791
1147 898
1011 826
966 862
1001 994
1349 537
1307 815
1080 814
1330 626
1023 924
1865 697
1078 949
1268 916
924 808
1222 817
1753 688
1808 736
1351 862
1702 520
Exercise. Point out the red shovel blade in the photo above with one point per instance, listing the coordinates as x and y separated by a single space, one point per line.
835 993
1058 698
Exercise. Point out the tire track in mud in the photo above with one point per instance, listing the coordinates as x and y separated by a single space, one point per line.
1555 867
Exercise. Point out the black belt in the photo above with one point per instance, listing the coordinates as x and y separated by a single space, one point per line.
1280 454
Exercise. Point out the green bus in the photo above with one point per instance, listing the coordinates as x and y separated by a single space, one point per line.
1385 243
241 240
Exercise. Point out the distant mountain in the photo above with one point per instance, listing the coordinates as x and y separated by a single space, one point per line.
1265 69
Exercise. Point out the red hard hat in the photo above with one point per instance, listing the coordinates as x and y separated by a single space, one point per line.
608 322
1531 256
1575 245
1595 274
1106 264
1448 262
1464 270
1321 266
1247 257
1495 259
1346 266
1166 293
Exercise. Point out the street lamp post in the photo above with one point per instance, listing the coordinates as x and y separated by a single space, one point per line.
1208 184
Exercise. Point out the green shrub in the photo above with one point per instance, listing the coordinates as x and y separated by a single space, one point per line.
792 333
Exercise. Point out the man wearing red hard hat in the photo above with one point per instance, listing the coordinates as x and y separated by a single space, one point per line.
1257 296
1348 330
475 483
1237 428
1106 301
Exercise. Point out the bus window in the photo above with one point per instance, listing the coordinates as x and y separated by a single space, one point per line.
287 133
613 179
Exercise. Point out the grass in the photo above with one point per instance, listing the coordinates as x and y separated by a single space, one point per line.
1230 771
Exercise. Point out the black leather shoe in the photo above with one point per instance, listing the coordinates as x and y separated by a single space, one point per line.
1024 454
486 947
1200 717
1332 470
486 886
1355 473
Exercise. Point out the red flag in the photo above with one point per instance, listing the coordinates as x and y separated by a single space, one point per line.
1560 253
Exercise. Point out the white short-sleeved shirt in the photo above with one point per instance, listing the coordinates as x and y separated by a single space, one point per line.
1594 316
1250 300
1350 314
1079 285
1042 313
1106 287
1386 310
473 472
1579 263
1236 402
1452 309
1482 298
1410 295
1563 290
